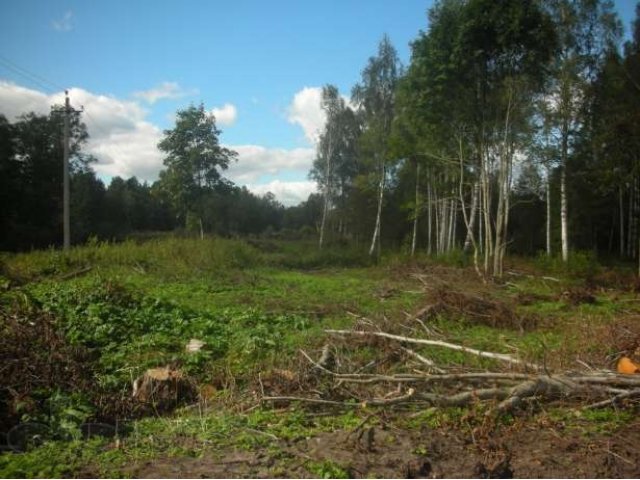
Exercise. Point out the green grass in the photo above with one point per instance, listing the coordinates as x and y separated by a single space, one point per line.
590 422
255 304
186 433
327 469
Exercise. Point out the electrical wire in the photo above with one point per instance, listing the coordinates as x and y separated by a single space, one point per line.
40 81
51 87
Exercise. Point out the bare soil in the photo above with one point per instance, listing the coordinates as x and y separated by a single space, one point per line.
534 451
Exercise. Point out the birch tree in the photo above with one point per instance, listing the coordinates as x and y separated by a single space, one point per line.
585 30
375 95
332 104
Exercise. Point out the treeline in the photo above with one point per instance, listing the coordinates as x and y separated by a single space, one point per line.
31 194
515 127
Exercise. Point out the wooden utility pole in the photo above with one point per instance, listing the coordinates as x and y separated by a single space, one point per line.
65 175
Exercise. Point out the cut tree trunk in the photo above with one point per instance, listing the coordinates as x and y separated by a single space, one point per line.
162 388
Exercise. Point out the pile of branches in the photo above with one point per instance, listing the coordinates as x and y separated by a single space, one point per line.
36 360
508 388
34 357
477 307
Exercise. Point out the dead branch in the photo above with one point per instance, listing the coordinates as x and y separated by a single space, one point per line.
437 343
615 400
541 386
77 273
317 401
609 379
465 398
423 360
518 274
378 402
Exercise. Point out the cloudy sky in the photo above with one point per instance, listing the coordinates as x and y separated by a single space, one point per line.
257 65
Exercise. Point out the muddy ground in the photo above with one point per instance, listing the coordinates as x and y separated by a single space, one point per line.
534 451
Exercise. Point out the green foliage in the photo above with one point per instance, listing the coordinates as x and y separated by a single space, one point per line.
455 258
194 156
63 413
312 258
581 264
52 460
594 421
31 177
132 332
327 469
168 257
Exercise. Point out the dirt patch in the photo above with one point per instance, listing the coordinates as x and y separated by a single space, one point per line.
554 452
524 452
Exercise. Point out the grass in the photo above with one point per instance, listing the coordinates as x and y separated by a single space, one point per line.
133 306
184 434
589 422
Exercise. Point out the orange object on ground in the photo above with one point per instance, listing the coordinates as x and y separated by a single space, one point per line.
626 365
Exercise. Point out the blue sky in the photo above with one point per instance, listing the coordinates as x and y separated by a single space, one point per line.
259 63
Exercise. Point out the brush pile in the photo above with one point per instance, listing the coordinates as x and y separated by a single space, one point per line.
403 375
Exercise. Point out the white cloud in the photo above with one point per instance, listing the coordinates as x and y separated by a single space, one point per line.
306 111
288 193
225 115
125 142
16 100
168 90
63 24
255 162
119 135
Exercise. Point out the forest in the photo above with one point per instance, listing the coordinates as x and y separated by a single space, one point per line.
459 298
513 129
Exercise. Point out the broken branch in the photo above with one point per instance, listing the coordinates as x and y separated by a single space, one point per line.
438 343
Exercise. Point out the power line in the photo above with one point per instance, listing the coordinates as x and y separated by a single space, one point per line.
52 87
42 82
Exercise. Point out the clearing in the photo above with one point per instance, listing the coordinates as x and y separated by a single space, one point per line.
313 364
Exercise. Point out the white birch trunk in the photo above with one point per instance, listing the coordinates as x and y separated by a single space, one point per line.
472 216
486 210
469 221
429 218
452 229
324 217
376 232
454 204
444 217
416 212
563 216
564 223
548 194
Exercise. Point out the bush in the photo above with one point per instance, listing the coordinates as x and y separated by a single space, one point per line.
582 264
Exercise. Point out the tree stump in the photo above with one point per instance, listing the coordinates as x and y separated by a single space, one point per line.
162 388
